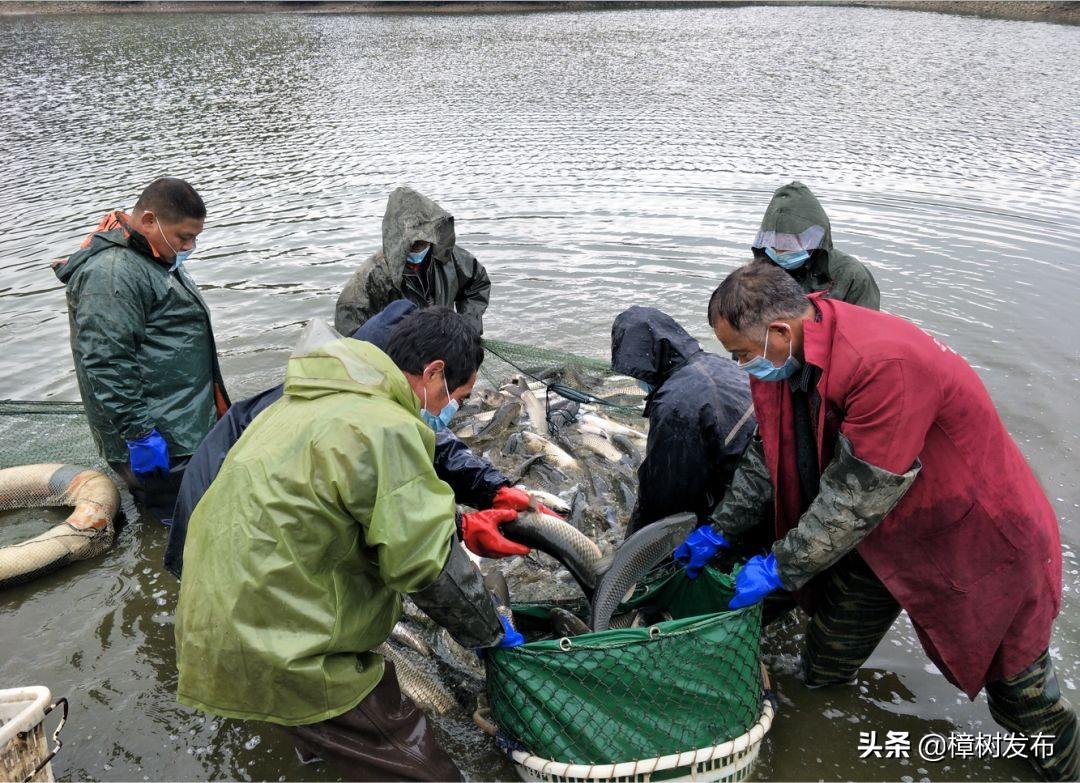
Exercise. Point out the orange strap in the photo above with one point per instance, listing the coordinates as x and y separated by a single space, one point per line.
219 401
115 219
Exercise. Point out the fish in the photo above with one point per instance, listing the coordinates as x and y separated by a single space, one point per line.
505 416
523 469
577 509
470 427
565 623
626 445
599 446
634 558
429 694
626 494
514 443
456 656
538 444
490 398
576 551
631 619
612 427
407 637
496 583
414 613
554 502
533 408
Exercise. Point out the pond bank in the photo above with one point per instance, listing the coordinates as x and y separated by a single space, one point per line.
1024 10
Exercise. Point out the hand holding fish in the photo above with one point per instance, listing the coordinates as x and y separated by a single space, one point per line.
520 499
480 532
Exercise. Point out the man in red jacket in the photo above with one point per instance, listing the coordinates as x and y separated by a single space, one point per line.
894 486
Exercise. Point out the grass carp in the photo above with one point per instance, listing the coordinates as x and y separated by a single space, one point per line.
537 444
554 502
599 446
565 623
429 694
634 558
407 637
576 551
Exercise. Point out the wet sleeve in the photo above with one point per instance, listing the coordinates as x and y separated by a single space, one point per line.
473 479
473 296
110 324
748 496
412 521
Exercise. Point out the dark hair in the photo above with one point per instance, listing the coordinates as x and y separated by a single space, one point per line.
755 295
437 333
171 200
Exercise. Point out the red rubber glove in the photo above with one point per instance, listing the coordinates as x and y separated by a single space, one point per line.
519 500
480 531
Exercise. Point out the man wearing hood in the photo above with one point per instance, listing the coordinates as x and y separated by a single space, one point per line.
796 235
475 481
141 339
699 410
419 261
326 512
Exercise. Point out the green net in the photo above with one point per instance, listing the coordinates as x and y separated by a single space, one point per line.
35 432
622 695
565 373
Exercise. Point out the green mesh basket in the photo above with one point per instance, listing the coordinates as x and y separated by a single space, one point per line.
610 697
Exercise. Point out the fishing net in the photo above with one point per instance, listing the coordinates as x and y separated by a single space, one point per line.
578 378
620 695
45 451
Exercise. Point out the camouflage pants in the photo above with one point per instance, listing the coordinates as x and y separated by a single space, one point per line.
856 612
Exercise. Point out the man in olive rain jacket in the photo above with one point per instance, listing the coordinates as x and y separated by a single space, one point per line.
419 261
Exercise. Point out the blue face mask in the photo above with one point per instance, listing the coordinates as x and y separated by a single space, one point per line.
648 388
442 421
764 370
791 259
181 257
418 256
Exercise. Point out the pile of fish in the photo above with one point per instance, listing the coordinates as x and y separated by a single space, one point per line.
580 462
578 452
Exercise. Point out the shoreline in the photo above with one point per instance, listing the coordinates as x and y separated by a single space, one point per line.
1067 13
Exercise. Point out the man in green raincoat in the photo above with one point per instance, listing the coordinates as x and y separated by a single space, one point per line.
419 261
142 343
795 235
324 514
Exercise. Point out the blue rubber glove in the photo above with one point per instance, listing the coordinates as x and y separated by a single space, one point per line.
699 548
756 580
149 453
511 638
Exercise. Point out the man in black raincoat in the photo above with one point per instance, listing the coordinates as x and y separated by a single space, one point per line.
419 261
699 410
475 481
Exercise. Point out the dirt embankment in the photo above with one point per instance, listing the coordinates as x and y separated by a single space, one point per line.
1025 10
1060 12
